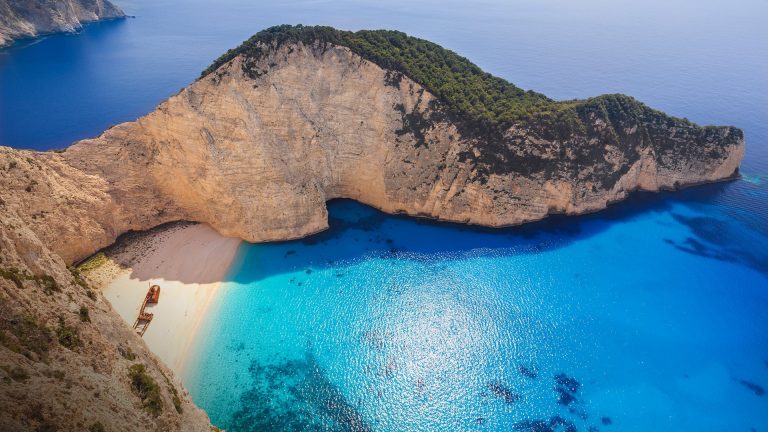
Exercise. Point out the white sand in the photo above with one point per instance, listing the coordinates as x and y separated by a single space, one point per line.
188 262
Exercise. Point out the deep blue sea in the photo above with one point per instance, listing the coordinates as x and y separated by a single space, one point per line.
650 316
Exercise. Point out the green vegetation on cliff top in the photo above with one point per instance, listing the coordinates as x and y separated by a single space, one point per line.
461 85
484 107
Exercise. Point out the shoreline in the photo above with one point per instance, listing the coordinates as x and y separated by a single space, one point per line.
188 261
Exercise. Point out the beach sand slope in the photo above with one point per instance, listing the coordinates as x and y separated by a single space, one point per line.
188 262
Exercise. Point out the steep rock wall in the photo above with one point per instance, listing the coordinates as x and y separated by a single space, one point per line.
65 354
257 158
31 18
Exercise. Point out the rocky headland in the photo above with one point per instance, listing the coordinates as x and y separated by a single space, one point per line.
255 147
21 19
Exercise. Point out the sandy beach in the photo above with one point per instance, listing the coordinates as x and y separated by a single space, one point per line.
188 261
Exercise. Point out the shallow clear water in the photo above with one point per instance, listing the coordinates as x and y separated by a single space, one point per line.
394 324
653 314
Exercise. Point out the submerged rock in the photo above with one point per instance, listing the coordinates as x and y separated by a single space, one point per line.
528 372
295 395
503 392
756 389
566 388
553 424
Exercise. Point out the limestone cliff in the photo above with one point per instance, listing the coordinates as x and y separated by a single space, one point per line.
257 156
31 18
66 356
276 128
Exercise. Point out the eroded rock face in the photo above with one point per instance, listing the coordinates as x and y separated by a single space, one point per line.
31 18
65 354
258 157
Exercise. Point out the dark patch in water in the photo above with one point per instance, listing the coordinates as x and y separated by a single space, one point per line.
503 392
701 249
554 232
707 228
714 238
236 346
338 226
294 395
290 252
308 271
565 398
756 389
567 382
579 412
566 388
528 372
553 424
606 421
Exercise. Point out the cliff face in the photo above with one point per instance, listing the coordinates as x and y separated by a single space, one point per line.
65 354
31 18
257 158
255 149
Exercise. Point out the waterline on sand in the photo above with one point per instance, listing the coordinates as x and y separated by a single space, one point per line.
188 262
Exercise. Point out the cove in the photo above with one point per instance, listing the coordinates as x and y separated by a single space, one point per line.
648 316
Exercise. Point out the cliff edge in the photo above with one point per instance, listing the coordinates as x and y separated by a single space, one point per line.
31 18
301 115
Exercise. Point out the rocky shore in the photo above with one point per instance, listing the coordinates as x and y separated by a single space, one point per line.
33 18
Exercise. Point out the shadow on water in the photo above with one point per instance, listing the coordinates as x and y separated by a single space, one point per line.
294 395
713 238
93 29
357 231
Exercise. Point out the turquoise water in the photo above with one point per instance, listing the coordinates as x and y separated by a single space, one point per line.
652 315
386 323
